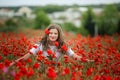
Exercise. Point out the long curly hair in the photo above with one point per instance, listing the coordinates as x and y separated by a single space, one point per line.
45 41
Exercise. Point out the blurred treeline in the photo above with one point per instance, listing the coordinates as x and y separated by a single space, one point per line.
108 22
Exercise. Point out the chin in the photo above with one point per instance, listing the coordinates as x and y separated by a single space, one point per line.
53 40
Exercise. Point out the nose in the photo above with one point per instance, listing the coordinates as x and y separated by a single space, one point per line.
53 35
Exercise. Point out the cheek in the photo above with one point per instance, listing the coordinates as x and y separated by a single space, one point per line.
56 36
50 35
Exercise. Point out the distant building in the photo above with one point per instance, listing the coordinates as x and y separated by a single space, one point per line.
66 16
97 11
23 11
6 12
71 15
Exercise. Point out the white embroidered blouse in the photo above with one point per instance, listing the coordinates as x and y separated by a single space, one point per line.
58 54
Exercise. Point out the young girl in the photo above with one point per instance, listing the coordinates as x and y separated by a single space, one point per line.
52 44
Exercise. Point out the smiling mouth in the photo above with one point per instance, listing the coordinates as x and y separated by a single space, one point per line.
53 38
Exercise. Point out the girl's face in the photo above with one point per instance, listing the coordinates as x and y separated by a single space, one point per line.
53 35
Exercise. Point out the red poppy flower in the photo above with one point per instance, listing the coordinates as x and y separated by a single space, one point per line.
17 76
49 52
19 64
29 60
108 78
39 52
65 56
36 65
47 31
23 70
40 58
64 47
66 71
53 55
96 77
7 62
0 57
89 71
30 73
79 73
116 78
59 64
83 59
51 73
35 46
57 43
1 65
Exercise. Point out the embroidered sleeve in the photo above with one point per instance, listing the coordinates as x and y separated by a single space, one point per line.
36 47
70 52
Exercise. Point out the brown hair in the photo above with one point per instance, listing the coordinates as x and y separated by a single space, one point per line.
60 39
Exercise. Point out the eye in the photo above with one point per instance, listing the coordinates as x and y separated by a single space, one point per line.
55 33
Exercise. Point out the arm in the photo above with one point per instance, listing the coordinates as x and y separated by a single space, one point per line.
33 50
26 56
75 56
71 53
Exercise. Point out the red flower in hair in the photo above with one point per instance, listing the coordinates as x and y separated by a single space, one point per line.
47 31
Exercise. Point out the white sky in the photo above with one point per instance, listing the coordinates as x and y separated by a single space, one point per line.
58 2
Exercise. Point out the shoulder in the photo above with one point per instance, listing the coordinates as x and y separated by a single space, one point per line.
38 43
35 48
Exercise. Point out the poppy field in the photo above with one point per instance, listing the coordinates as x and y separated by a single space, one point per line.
104 50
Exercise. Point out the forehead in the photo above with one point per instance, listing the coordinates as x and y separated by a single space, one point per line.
54 30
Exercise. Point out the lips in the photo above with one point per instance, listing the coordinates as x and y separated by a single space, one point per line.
52 37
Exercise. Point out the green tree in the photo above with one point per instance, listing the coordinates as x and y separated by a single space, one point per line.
118 30
25 22
41 20
108 21
10 25
70 27
88 21
82 31
51 8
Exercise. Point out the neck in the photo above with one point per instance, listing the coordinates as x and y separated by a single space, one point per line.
51 43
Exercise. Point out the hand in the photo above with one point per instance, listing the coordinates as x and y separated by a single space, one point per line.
11 64
90 60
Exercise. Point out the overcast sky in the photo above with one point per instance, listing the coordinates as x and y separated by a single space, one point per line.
59 2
